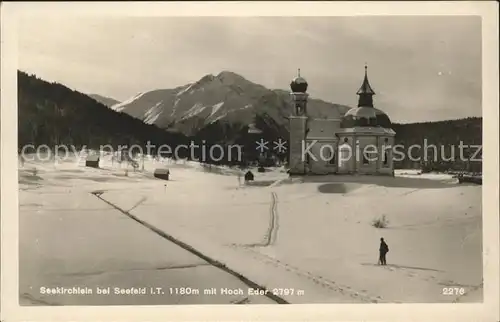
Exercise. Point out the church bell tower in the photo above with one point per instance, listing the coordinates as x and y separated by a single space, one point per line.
298 125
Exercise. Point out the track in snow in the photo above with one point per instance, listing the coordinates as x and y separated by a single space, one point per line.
358 296
272 230
193 251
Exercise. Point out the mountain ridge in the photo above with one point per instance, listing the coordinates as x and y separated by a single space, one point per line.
226 96
108 101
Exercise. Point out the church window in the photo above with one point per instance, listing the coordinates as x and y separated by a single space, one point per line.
365 159
332 158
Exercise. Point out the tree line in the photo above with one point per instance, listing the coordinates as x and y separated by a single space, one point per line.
445 136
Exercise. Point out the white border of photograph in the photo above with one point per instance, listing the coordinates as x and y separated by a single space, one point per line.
486 311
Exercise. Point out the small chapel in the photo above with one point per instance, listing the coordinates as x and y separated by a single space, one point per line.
358 142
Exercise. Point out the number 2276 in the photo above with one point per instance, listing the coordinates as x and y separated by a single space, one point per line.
453 291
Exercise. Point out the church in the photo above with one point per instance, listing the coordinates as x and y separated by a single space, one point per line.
358 142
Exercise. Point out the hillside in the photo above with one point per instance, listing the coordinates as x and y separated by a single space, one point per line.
226 97
50 113
104 100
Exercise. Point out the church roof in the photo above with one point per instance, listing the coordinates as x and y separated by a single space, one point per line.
367 130
383 119
365 87
365 117
362 111
322 128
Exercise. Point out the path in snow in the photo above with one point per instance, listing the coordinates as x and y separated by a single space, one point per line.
72 239
272 230
192 250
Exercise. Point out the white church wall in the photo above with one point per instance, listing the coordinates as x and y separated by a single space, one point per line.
344 158
352 145
345 153
366 156
323 155
386 164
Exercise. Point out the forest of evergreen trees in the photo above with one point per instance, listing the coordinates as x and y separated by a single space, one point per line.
52 114
445 135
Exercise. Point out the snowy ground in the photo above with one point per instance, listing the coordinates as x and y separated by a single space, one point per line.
309 240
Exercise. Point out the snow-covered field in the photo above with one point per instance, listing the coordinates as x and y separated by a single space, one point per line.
311 240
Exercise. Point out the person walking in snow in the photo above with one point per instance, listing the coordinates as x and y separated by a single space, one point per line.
383 250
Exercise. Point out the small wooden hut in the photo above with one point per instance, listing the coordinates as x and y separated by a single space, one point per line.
163 174
467 178
92 161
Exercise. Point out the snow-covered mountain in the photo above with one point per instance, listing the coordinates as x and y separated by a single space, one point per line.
104 100
226 97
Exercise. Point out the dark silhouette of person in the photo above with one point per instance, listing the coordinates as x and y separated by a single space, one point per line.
383 250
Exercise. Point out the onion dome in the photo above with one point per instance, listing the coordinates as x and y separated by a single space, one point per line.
298 84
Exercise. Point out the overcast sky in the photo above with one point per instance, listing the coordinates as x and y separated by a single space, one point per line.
422 68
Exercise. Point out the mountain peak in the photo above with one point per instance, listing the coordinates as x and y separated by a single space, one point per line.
230 77
224 76
206 79
228 73
226 97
